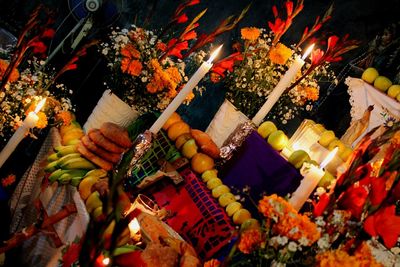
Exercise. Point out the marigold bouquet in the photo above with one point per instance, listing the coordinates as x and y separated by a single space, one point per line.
260 61
147 68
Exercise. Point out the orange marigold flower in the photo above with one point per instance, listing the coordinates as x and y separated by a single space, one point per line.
311 93
14 74
174 74
212 263
130 51
361 258
280 54
42 122
250 33
250 240
8 180
132 67
65 117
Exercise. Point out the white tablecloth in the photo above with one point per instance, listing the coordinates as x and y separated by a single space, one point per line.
363 95
40 250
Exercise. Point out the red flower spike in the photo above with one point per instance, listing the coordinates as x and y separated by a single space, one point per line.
354 199
178 48
316 57
38 47
48 34
275 11
182 18
322 204
385 224
190 36
289 8
378 191
193 2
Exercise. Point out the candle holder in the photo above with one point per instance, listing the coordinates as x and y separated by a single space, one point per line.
141 204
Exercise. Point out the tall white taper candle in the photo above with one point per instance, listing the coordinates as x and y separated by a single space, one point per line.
284 83
29 122
173 106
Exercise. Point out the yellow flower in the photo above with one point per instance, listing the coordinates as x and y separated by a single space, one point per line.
250 33
42 122
312 93
280 54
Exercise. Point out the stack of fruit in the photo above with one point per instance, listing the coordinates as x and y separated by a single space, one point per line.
93 186
104 146
276 138
200 149
330 141
382 83
66 165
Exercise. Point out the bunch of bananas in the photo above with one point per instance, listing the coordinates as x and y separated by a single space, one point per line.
67 166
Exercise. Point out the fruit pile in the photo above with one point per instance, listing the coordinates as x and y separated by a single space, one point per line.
330 141
66 164
276 138
201 150
382 83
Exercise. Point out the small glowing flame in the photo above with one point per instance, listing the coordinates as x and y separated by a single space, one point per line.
106 261
328 159
134 227
214 54
40 105
308 51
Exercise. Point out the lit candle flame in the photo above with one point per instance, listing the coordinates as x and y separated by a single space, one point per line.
214 54
134 227
106 261
328 159
40 105
308 51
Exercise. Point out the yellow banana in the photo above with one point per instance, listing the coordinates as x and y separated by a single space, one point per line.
56 174
93 202
78 163
66 158
65 150
52 157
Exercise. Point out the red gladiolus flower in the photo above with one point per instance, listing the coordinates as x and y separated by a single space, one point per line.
278 26
39 47
182 18
48 34
316 57
354 199
178 48
289 8
378 191
227 64
190 36
384 223
322 204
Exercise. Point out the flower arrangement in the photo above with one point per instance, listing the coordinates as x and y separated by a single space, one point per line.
26 79
149 68
260 60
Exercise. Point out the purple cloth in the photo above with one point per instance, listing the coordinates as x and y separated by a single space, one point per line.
260 167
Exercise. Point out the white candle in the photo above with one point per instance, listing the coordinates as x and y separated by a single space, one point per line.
29 122
284 83
134 227
311 177
173 106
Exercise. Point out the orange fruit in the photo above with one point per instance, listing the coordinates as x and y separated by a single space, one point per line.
177 129
201 163
171 120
